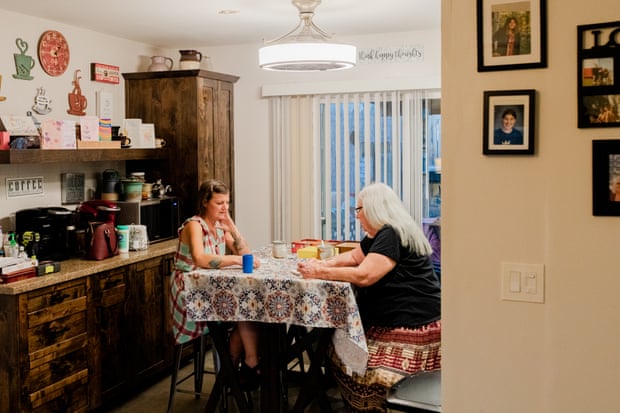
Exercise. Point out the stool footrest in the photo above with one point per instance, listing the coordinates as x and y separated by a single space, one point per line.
418 393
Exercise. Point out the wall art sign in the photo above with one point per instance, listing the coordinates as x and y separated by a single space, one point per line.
24 186
598 74
104 73
511 34
606 177
401 54
509 120
23 62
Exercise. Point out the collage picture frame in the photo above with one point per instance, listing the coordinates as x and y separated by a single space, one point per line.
598 75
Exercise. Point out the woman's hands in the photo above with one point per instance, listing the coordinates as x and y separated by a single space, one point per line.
227 224
311 268
234 240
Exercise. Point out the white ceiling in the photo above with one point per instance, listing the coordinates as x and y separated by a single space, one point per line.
192 23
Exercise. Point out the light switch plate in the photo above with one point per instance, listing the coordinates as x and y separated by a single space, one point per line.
523 282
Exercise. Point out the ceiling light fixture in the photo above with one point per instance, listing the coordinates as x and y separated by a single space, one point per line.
306 48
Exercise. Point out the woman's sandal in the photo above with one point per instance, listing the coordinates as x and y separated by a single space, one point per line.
249 377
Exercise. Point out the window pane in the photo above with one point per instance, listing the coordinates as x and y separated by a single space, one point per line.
368 138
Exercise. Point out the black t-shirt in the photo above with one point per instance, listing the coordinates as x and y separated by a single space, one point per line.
407 296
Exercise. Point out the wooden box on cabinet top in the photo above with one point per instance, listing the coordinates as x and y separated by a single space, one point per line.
193 111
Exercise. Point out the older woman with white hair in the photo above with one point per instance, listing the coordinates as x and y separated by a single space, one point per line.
398 295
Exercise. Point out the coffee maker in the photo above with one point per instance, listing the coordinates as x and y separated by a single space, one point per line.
97 210
43 232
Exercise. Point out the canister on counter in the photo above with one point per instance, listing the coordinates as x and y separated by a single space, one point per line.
123 238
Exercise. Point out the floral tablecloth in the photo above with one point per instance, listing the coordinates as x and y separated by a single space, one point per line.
275 293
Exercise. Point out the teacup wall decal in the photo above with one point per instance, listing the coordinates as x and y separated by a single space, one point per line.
23 62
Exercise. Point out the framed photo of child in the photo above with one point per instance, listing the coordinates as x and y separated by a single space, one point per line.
509 122
511 34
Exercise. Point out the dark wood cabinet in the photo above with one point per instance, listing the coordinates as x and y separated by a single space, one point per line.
145 314
109 358
54 367
193 111
77 345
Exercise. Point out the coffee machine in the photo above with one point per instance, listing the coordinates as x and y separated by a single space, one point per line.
97 210
43 232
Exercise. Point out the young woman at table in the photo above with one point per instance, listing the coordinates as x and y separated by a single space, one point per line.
203 241
398 296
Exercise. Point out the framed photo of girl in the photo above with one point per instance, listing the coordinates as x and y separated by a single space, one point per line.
509 122
606 177
511 34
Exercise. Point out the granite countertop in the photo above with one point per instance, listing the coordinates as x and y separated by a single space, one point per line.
77 268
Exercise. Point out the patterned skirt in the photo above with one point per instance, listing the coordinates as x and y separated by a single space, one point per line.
184 330
393 354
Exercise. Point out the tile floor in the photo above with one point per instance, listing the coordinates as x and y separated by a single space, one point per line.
155 398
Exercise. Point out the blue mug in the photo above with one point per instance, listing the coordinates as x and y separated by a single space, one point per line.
248 263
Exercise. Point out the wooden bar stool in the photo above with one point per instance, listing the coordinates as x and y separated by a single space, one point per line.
418 393
200 348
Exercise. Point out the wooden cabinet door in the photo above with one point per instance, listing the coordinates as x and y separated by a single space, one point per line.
112 337
54 364
146 319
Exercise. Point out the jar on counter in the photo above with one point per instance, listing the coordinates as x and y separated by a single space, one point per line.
278 249
137 176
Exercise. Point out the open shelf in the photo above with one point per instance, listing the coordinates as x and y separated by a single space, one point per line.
24 156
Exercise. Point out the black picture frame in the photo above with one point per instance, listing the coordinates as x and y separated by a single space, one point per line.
598 75
503 104
605 173
527 50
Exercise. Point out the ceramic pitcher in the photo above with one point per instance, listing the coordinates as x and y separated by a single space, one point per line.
190 59
160 64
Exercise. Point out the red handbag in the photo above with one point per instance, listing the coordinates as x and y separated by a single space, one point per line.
103 240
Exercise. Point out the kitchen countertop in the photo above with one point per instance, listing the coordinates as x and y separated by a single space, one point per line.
77 268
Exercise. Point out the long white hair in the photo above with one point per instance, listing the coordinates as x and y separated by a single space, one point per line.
382 206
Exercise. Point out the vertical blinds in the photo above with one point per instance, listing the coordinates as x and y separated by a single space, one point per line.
365 138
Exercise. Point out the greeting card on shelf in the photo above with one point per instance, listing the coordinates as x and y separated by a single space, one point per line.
105 130
58 134
147 136
131 129
89 128
19 125
105 105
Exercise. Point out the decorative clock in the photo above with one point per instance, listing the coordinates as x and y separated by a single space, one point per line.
53 53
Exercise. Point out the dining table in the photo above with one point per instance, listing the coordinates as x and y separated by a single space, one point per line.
276 295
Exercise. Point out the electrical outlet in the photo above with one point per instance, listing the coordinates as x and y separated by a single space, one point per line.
24 186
